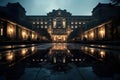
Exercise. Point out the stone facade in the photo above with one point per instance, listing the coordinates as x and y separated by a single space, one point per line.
13 25
59 23
105 24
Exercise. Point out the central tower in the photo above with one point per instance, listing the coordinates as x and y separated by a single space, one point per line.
59 24
59 31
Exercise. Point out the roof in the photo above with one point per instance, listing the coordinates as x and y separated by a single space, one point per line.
7 14
94 23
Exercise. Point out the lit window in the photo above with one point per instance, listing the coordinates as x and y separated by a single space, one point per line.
76 27
37 22
41 22
24 34
102 32
41 26
1 32
45 26
75 22
79 22
33 22
71 26
59 13
71 22
45 22
83 22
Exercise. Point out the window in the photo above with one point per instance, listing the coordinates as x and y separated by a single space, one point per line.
37 22
41 26
75 22
37 26
41 22
71 22
59 13
76 27
79 22
1 32
45 22
83 22
71 26
33 22
45 26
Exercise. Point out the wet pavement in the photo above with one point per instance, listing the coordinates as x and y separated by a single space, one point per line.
60 61
8 47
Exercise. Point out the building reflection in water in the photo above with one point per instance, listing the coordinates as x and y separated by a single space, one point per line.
24 51
59 53
95 52
12 62
10 56
58 58
107 62
33 49
102 54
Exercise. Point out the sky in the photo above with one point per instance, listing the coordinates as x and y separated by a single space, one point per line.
42 7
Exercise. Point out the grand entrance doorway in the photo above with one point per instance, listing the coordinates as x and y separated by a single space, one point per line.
59 31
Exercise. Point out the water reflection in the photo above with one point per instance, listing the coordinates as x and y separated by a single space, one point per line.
107 61
33 49
12 62
10 56
59 53
24 51
92 50
97 53
102 54
59 58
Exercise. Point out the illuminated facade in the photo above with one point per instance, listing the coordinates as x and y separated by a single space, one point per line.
105 24
13 25
99 32
59 23
59 53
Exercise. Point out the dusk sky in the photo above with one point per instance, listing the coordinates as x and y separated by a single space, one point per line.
42 7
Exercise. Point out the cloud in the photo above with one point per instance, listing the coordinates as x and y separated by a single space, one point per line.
41 7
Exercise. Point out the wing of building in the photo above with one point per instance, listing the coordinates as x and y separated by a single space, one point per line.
60 25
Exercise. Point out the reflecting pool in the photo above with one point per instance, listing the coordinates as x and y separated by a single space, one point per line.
60 61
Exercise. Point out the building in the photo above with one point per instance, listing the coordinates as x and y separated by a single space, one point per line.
13 25
105 24
59 23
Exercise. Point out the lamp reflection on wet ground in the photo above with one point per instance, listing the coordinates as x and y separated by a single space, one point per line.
59 58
